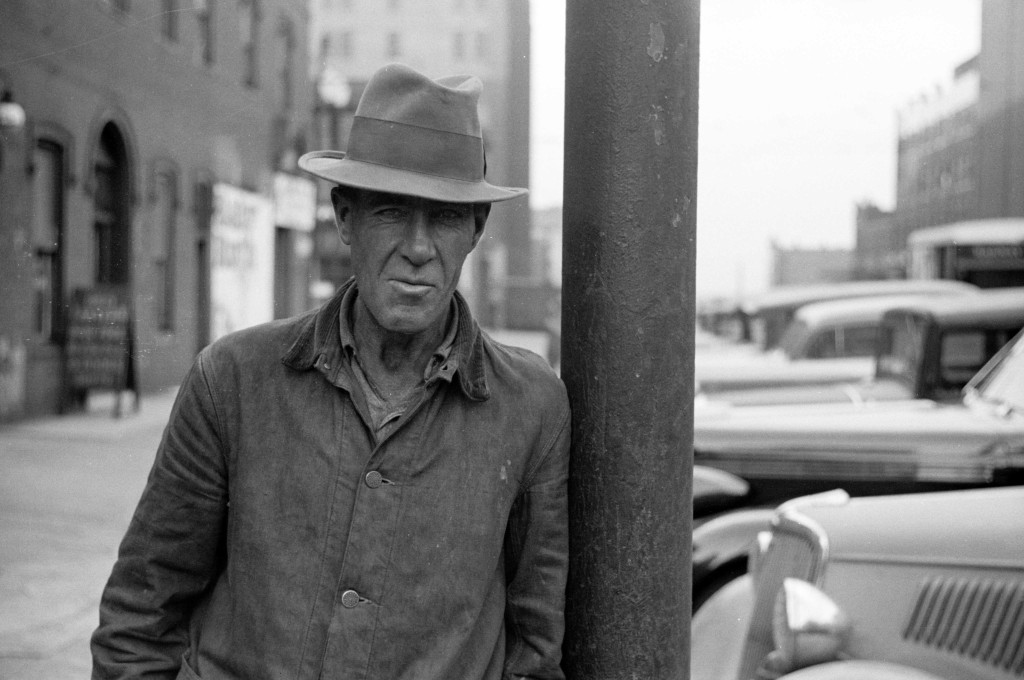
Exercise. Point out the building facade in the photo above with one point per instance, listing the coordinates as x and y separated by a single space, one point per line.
1001 111
960 158
155 160
351 39
880 246
796 266
937 158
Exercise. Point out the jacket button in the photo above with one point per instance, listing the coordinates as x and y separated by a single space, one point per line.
349 599
373 479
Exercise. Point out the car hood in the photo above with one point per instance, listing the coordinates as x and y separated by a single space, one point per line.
981 525
941 442
811 393
716 374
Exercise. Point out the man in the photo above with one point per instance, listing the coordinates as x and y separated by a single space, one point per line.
375 489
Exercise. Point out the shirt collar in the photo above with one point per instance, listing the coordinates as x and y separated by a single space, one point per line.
322 341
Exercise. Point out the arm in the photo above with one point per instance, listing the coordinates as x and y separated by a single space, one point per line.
172 551
536 552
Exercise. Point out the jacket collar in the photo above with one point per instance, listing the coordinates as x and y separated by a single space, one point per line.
318 344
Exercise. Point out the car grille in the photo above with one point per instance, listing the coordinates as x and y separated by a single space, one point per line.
798 549
979 619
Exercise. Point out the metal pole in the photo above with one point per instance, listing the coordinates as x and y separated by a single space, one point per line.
628 320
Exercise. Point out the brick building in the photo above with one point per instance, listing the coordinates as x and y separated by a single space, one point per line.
154 135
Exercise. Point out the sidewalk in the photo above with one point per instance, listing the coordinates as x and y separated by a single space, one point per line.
68 486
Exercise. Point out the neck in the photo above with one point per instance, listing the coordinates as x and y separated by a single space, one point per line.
394 362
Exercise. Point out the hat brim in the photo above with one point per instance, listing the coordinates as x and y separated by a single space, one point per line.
334 167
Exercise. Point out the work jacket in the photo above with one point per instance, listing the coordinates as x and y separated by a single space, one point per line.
276 539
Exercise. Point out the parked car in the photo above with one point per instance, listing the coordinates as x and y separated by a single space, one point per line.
826 343
765 317
906 587
867 448
927 348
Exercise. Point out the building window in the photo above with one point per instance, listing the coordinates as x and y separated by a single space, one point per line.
459 46
169 20
204 19
162 240
203 213
110 209
287 37
248 24
394 48
47 229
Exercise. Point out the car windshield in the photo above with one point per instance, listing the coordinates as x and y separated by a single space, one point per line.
1004 383
901 346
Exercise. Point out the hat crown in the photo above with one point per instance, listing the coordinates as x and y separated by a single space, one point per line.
415 136
399 94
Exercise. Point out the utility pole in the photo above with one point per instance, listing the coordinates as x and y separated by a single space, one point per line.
628 318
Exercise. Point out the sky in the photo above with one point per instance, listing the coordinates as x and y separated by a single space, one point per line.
797 122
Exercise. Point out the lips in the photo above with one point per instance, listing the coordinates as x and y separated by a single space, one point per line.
412 287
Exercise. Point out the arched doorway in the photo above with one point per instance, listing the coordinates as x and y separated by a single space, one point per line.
111 225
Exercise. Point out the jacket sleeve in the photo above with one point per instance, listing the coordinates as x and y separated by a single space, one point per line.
536 553
172 552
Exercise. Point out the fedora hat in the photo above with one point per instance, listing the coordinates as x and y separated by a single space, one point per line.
415 136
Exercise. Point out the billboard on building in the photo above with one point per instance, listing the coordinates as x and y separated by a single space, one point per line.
241 260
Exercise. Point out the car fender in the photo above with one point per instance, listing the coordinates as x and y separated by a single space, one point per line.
718 631
859 670
721 546
715 490
729 536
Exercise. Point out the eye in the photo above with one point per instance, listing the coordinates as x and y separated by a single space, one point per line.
452 213
389 214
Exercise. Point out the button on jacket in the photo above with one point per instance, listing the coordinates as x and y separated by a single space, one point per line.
277 539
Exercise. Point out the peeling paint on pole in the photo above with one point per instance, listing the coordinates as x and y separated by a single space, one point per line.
656 46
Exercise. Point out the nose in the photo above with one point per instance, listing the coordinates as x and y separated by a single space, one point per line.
418 244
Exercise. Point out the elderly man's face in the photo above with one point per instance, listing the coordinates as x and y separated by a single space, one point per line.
407 253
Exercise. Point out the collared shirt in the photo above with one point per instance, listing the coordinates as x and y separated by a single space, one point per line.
277 537
385 412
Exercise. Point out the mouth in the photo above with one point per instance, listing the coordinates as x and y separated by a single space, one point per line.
412 287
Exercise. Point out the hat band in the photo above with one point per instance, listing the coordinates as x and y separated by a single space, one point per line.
419 149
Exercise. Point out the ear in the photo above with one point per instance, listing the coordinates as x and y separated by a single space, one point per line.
480 213
342 214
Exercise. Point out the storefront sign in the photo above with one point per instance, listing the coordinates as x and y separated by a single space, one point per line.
99 340
241 260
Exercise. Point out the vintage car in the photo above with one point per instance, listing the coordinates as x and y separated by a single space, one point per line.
904 587
927 348
866 448
765 317
826 343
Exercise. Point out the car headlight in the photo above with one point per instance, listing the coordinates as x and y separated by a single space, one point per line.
807 626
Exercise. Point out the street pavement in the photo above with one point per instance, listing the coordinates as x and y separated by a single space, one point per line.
68 486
